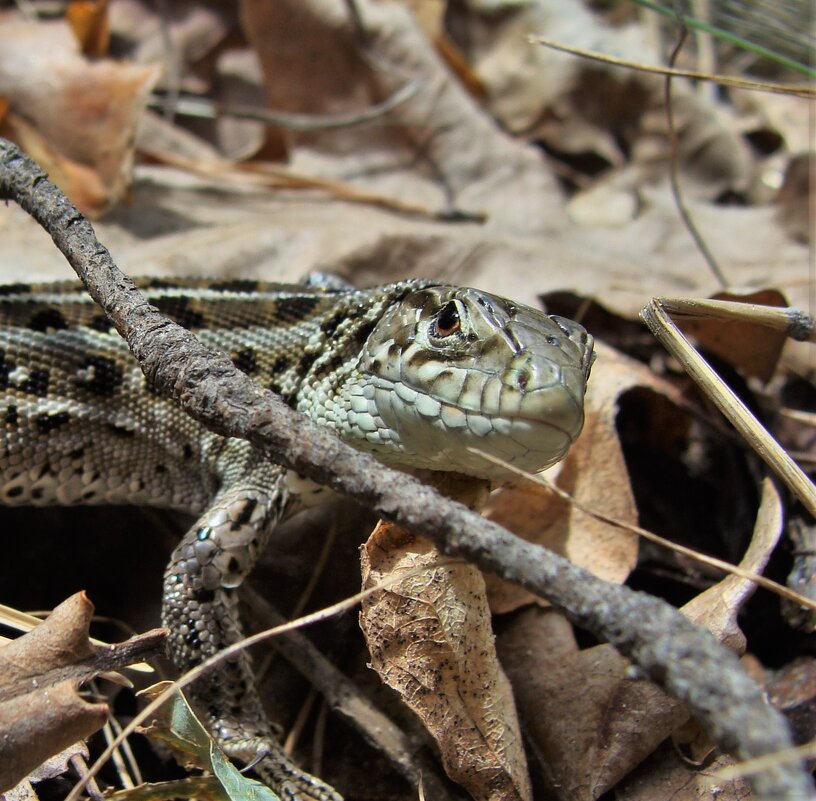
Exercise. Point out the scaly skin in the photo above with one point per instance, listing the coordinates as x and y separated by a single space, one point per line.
413 372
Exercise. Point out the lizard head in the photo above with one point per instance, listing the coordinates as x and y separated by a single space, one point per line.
447 369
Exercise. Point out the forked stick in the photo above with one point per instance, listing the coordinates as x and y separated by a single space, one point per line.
795 323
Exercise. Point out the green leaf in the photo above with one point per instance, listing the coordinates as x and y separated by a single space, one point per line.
177 725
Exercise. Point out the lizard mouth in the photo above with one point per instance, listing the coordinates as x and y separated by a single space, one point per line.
403 425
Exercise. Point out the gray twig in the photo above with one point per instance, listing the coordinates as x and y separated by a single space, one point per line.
684 659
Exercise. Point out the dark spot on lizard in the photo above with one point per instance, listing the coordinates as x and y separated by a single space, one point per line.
280 365
421 357
14 289
14 492
48 318
187 451
101 323
305 363
45 470
11 417
330 326
236 285
246 513
295 308
159 283
204 596
36 493
364 331
233 565
178 308
335 363
102 376
48 422
37 383
121 431
77 453
246 361
160 468
5 369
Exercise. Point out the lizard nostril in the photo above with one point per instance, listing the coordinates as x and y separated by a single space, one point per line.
523 380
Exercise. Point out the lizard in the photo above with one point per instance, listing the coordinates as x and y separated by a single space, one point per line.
413 372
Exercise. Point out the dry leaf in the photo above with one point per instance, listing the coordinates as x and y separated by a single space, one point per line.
797 198
793 691
178 39
439 148
712 155
72 113
430 639
59 763
717 608
41 712
666 776
588 721
754 349
89 21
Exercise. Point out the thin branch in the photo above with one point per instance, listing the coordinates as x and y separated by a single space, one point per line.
209 109
674 168
793 322
799 90
686 660
726 36
726 400
711 561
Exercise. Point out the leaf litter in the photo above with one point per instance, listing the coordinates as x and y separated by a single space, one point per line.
525 172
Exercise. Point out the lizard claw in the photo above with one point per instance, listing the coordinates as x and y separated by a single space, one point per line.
268 761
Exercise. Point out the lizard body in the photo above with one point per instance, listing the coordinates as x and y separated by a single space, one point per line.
413 372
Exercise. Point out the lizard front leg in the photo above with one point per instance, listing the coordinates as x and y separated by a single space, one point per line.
200 608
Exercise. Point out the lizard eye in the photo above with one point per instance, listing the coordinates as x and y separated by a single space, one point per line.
447 322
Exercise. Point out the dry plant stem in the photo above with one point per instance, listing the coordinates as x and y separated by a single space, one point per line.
340 607
78 764
208 109
706 52
769 450
800 90
684 659
22 621
123 759
711 561
794 322
674 166
270 176
103 659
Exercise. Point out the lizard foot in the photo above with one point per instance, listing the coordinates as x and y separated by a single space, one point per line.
274 767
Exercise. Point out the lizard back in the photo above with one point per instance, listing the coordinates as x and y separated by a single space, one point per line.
80 423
